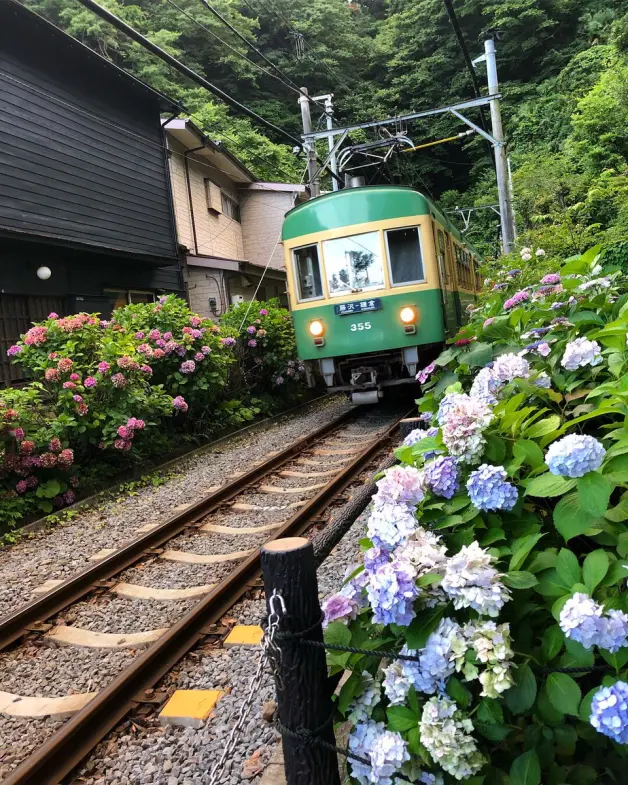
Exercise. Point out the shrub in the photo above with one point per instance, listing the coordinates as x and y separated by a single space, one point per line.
496 552
266 350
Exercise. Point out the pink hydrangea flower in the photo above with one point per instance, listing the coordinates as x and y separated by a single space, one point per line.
54 445
263 312
12 351
279 380
10 414
195 321
18 433
199 356
180 404
160 342
424 375
127 363
144 348
64 364
139 335
103 367
146 370
120 444
90 381
252 343
52 375
171 346
167 336
53 315
77 398
550 278
189 366
66 457
21 486
251 330
261 333
154 335
196 334
74 481
74 377
36 336
488 321
48 460
158 354
124 432
32 481
82 409
119 380
206 350
69 497
53 355
69 386
228 341
516 299
27 447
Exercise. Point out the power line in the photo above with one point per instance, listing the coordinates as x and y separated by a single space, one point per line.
252 46
123 27
229 46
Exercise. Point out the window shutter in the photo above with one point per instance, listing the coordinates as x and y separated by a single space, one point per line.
214 197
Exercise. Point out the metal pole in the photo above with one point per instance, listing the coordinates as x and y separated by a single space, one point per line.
304 695
501 162
511 191
329 112
310 144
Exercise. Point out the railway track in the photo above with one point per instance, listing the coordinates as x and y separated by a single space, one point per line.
319 451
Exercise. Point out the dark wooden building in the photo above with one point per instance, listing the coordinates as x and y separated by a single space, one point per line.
84 181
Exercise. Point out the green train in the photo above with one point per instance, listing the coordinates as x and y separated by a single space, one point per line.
378 277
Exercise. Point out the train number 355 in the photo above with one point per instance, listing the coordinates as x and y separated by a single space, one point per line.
357 326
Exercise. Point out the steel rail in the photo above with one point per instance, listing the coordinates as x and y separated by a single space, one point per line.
63 751
17 623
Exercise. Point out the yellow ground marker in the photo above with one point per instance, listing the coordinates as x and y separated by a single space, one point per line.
190 708
244 635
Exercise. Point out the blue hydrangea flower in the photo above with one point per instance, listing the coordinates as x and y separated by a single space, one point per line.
510 366
580 353
447 403
374 558
543 380
609 712
390 525
391 592
581 620
575 455
417 435
442 476
386 750
486 386
489 490
615 631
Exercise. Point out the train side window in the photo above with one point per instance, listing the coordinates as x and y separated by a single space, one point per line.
405 257
308 272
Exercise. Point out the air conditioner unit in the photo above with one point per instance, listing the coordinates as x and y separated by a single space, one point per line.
236 299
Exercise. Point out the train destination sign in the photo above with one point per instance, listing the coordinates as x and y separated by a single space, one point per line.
360 306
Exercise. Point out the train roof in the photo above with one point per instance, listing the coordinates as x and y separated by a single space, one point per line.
362 205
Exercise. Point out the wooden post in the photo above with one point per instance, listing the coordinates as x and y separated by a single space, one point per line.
303 694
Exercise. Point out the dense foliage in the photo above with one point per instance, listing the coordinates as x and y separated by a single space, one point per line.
563 68
108 393
496 552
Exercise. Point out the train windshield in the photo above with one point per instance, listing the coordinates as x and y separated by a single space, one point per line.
308 272
404 253
354 263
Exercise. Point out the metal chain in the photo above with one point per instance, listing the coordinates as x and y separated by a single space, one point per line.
270 655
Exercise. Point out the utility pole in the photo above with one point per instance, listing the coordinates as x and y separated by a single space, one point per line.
329 116
501 161
310 144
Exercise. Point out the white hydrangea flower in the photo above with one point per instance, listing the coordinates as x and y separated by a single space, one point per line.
362 706
446 735
472 582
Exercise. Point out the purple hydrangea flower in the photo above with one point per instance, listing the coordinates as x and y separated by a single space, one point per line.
442 476
575 455
424 375
510 366
464 422
499 286
581 620
609 712
580 353
550 278
543 380
385 749
489 490
516 299
339 608
228 341
252 343
390 525
485 386
488 322
189 366
615 631
13 350
374 558
400 485
251 330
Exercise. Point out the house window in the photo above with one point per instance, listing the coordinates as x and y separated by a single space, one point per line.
230 207
118 298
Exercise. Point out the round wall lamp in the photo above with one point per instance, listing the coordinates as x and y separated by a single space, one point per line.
43 273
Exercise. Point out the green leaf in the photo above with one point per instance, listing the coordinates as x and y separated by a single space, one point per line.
548 485
348 691
495 450
594 569
490 711
520 697
401 718
576 656
552 642
619 513
567 567
338 634
622 545
522 549
543 427
480 355
528 452
584 712
519 580
586 317
570 519
563 693
444 358
526 769
491 732
594 491
459 693
422 626
616 660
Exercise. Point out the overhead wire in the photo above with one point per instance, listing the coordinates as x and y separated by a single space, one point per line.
254 48
232 48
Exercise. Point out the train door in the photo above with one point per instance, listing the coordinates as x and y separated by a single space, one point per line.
455 295
446 275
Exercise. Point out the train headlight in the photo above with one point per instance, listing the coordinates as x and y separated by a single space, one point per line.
316 328
407 315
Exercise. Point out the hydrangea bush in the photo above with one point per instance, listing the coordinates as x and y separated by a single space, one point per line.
104 393
495 556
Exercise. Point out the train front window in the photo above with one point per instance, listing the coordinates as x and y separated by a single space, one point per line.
404 254
308 272
354 264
